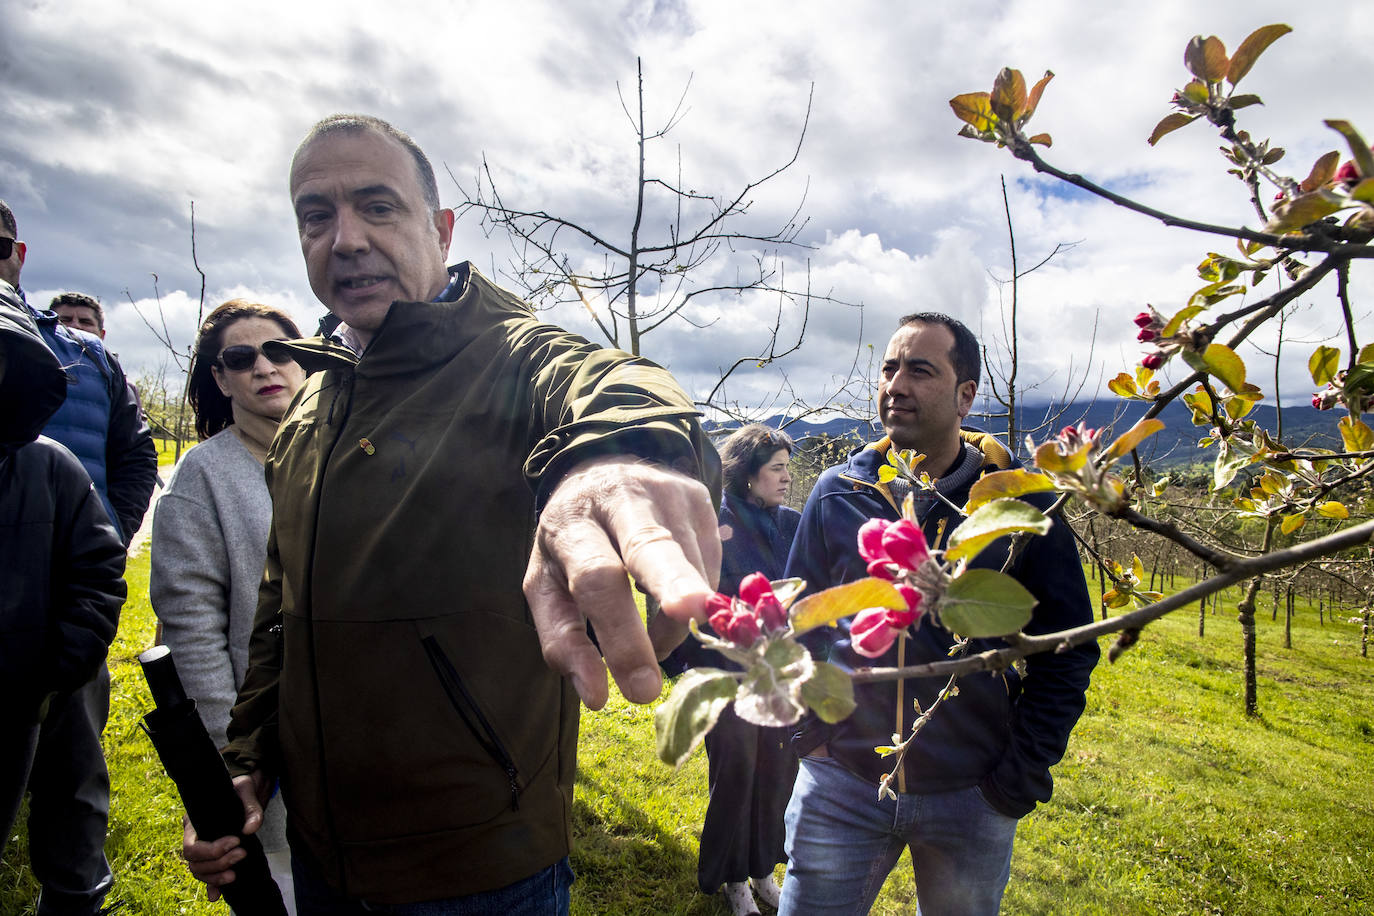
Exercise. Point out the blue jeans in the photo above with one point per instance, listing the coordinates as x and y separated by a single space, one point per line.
544 893
842 841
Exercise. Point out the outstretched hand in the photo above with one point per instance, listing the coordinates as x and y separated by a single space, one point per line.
610 520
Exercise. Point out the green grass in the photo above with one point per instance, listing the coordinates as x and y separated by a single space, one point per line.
1169 800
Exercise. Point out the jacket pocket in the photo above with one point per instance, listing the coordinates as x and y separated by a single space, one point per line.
466 706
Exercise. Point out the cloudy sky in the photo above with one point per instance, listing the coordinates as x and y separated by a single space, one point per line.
119 116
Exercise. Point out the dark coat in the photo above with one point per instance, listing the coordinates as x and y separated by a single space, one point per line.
61 562
1002 732
395 678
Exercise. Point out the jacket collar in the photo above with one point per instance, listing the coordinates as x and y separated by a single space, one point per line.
415 335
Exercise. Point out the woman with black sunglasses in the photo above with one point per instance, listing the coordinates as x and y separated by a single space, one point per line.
210 526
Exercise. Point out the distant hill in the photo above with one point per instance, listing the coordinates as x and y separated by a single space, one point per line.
1175 445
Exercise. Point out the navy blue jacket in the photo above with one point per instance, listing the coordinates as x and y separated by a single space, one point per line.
101 423
1002 732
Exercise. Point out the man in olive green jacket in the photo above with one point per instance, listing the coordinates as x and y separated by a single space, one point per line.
447 448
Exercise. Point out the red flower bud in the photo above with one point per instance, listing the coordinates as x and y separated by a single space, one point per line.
1317 401
881 569
720 622
717 603
753 587
1348 173
744 628
1144 320
871 540
1152 361
870 634
905 544
770 612
911 596
1146 335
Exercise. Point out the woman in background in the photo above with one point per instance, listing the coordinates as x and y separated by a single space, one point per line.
751 769
210 528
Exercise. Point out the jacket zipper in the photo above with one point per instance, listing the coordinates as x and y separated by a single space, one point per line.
466 707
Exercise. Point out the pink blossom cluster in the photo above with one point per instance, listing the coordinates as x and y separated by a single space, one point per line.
1334 394
1151 325
890 549
1072 438
742 620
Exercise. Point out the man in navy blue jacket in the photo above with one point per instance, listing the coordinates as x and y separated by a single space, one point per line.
982 761
101 424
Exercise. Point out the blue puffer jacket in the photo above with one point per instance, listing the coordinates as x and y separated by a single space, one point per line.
100 422
1002 732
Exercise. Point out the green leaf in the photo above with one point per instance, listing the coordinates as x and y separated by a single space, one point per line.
1245 101
1205 58
770 694
1001 484
1169 124
996 519
1228 464
682 720
983 603
1296 212
844 601
1251 48
1176 322
1324 363
829 693
1364 159
1367 352
1133 437
1292 523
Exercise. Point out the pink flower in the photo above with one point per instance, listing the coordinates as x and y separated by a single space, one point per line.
1152 360
881 569
870 634
871 539
905 545
913 601
753 587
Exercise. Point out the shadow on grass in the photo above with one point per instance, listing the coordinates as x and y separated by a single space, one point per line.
626 862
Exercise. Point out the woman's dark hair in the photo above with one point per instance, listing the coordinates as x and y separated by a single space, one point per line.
211 406
746 451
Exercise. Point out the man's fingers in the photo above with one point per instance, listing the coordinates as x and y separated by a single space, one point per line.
212 861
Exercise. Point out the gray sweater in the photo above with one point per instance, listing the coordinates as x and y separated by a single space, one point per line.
209 547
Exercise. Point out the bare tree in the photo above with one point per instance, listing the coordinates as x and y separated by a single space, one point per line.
631 285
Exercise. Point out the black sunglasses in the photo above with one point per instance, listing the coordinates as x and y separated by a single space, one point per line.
6 248
241 357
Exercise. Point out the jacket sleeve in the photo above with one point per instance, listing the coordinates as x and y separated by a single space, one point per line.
252 733
88 580
591 401
189 589
1053 691
130 454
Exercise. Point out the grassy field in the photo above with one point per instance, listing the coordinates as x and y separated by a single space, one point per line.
1169 800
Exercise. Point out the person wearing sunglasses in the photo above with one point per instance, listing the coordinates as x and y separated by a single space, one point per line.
210 526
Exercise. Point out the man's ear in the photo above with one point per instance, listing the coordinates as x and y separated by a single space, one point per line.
443 222
968 390
23 250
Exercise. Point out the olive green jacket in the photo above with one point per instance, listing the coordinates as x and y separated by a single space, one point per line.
395 678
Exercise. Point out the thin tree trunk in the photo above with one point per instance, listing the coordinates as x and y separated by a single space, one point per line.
1246 616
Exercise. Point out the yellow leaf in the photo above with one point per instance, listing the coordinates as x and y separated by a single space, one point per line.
1002 484
1137 568
1041 139
1169 124
1223 362
1033 101
843 601
1047 458
1251 48
1143 374
1008 97
887 473
1324 363
1356 436
1333 509
1292 523
1133 437
1181 316
1206 59
1296 212
975 108
1122 386
1323 170
1364 159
